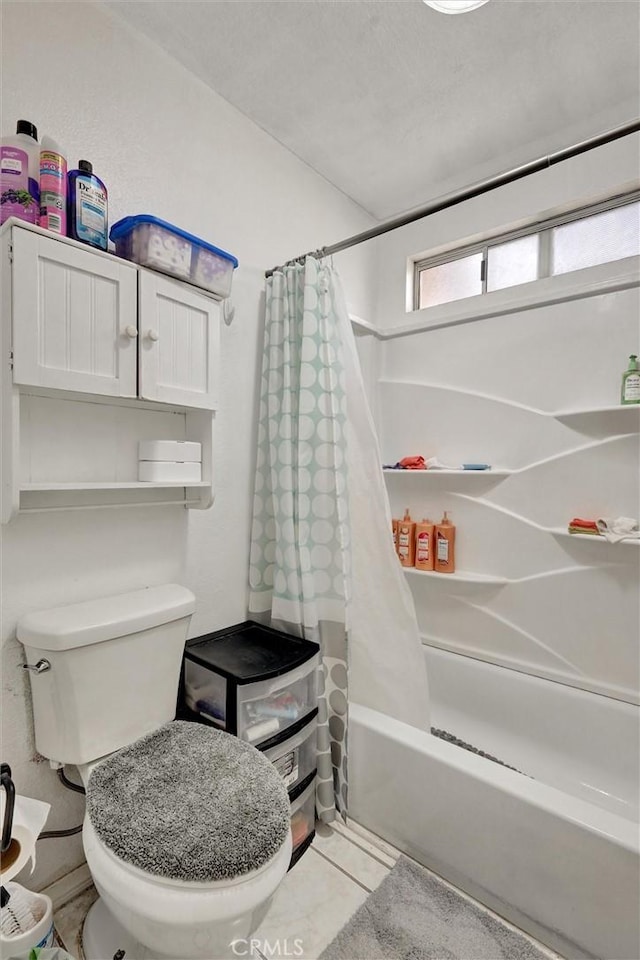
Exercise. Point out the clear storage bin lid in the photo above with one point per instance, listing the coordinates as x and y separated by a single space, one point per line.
248 652
127 224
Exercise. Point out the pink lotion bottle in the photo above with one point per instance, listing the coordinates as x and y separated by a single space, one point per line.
53 187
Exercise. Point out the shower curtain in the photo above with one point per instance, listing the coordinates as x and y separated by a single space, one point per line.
322 564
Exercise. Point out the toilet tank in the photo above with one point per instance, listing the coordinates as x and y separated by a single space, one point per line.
114 670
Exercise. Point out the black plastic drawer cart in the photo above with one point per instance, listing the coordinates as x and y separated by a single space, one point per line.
261 685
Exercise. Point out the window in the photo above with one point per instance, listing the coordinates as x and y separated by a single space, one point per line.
515 261
451 280
583 238
597 239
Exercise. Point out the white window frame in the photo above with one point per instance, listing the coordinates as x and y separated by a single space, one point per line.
544 230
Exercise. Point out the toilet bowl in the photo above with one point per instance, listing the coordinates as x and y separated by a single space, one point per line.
174 919
145 791
187 828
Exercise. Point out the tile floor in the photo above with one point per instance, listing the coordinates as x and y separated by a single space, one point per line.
315 900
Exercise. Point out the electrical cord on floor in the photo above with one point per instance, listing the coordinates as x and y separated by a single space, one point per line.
71 831
54 834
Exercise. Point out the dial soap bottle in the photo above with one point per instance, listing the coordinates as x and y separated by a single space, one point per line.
87 207
407 540
424 545
631 382
445 559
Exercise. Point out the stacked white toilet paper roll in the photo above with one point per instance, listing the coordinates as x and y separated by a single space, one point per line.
29 817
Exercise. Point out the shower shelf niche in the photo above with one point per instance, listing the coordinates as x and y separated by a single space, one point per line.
626 410
461 576
559 532
487 474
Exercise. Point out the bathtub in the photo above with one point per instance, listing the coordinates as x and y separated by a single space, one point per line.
555 849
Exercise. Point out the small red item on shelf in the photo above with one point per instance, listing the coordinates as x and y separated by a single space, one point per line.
412 463
577 525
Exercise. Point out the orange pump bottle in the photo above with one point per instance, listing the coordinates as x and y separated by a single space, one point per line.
425 540
445 555
407 540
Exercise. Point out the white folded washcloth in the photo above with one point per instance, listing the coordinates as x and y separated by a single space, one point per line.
618 528
434 464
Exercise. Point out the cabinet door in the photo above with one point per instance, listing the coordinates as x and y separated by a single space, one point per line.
74 317
179 343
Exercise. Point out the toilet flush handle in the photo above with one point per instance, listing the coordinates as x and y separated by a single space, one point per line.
40 667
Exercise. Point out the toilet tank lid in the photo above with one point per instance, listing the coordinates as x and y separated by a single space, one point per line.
93 621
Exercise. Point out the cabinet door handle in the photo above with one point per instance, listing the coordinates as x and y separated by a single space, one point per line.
131 332
153 335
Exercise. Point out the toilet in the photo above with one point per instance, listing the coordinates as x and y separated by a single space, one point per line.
187 831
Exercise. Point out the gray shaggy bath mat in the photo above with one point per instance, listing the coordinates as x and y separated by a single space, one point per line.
414 916
188 802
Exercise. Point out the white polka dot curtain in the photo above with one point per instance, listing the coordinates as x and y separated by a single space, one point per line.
300 547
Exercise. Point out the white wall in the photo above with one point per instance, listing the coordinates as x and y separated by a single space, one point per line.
462 393
164 144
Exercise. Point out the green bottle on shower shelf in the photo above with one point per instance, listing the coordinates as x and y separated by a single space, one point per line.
631 382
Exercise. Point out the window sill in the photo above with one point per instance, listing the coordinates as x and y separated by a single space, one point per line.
590 282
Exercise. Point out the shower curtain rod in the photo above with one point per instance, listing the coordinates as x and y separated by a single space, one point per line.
467 193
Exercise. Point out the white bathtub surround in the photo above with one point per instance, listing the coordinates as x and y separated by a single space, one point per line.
555 608
532 645
561 868
528 379
586 746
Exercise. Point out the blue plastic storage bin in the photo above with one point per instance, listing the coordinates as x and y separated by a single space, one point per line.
160 246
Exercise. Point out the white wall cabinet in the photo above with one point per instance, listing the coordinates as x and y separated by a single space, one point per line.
72 312
179 343
98 354
92 323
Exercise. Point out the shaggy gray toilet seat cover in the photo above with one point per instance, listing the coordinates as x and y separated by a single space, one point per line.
188 802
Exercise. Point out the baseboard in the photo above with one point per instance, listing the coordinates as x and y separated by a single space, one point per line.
69 886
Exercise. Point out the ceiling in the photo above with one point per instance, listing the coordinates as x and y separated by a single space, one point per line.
394 103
